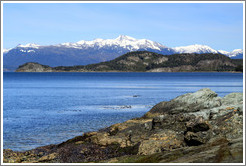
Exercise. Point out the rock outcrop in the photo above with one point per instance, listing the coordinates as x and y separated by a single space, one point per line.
195 127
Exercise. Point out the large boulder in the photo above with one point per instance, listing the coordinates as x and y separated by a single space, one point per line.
233 99
194 102
188 103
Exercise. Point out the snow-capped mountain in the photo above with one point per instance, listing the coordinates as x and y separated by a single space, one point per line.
203 49
123 41
6 50
199 49
224 52
29 45
94 51
237 53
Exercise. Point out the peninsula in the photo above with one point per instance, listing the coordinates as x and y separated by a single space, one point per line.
144 61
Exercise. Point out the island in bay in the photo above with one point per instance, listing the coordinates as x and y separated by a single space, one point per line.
144 61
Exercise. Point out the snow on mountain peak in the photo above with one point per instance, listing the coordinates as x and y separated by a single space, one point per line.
124 37
132 44
238 51
123 41
224 52
235 53
6 50
80 42
98 40
29 45
196 48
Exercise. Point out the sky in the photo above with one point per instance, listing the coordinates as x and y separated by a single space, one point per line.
218 25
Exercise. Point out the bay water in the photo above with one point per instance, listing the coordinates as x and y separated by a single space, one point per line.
49 108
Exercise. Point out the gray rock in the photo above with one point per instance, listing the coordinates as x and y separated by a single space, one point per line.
205 114
233 99
190 102
194 102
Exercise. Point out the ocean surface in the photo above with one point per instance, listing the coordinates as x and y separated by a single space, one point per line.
49 108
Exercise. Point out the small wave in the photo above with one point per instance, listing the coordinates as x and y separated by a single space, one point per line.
118 107
103 109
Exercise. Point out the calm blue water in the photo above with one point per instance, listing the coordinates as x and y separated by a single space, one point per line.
48 108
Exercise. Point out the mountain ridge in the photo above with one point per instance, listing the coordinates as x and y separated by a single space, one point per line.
95 51
136 44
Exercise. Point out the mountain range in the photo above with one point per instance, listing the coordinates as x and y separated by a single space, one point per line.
95 51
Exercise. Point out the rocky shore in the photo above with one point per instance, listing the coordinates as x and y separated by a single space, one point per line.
196 127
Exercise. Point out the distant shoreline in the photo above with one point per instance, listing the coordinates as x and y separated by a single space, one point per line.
126 72
144 61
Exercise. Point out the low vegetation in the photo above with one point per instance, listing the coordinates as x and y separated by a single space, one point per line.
144 61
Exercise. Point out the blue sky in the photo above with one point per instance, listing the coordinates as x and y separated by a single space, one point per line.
218 25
